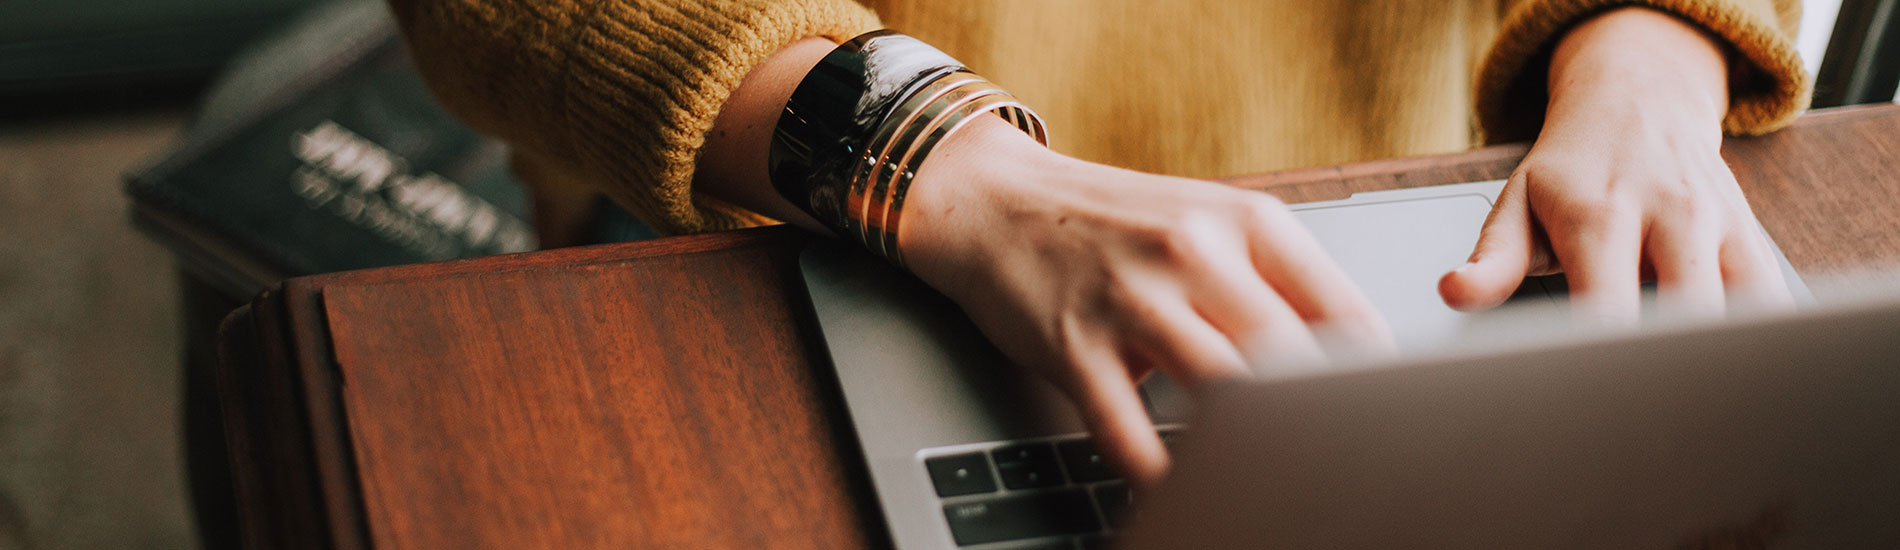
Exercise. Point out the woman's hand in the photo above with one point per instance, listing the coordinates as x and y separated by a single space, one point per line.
1096 275
1092 275
1626 181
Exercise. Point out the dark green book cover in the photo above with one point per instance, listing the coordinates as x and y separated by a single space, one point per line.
351 165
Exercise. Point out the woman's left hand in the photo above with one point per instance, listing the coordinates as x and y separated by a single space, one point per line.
1626 182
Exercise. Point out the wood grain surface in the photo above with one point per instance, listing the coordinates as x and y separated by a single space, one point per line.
671 393
624 422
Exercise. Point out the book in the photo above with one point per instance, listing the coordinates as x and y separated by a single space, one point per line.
323 151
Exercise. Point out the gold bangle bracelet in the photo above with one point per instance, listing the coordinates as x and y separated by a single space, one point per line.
903 126
881 182
906 172
888 168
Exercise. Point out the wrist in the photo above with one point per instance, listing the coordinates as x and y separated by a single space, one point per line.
732 163
1639 57
987 163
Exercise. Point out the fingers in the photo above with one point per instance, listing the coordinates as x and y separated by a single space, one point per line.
1685 254
1305 278
1112 409
1183 343
1599 246
1500 260
1167 333
1256 322
1752 272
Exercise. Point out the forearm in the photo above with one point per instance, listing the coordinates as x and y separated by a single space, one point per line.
1765 84
618 94
732 165
1634 55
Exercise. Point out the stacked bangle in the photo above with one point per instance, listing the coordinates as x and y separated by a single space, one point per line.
858 127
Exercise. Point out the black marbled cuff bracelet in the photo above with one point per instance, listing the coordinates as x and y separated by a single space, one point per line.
859 124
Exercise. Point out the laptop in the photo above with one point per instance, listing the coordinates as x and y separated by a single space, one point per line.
1768 432
967 451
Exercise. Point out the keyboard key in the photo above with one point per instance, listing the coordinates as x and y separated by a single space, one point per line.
1085 463
964 474
1028 466
1063 512
1117 503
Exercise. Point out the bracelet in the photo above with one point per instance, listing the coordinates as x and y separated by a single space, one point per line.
861 123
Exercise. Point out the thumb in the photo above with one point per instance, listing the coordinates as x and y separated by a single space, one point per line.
1501 258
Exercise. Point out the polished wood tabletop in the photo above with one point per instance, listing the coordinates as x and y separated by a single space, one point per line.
674 394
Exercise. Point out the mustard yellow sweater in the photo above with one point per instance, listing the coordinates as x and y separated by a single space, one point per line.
618 95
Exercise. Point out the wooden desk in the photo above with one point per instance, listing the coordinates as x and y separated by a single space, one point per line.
666 394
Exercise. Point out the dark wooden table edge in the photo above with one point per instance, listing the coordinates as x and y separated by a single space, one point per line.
270 433
762 237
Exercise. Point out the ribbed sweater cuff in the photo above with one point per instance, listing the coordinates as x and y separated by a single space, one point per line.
650 78
1769 91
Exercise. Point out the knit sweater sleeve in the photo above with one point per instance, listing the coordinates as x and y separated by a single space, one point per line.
1768 87
619 94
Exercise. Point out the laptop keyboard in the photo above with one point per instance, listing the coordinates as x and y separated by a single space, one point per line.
1044 494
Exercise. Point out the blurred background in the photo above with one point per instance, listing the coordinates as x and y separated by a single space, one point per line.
90 448
126 129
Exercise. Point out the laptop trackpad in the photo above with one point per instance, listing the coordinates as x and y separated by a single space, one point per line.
1396 251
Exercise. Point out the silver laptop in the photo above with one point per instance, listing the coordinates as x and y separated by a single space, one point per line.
967 451
1771 432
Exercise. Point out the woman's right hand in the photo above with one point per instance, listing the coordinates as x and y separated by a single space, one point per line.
1095 276
1091 275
